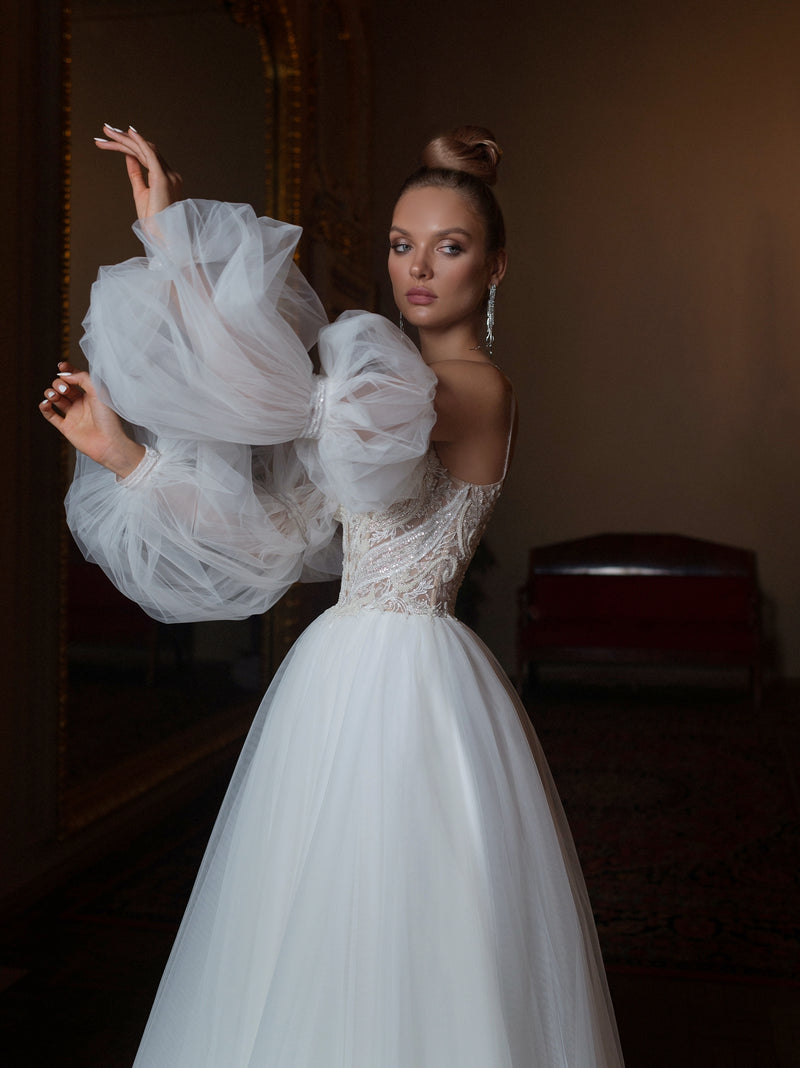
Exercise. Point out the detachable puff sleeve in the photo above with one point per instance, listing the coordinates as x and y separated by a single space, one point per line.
207 337
202 348
375 414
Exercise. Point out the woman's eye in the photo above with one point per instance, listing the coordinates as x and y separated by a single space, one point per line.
399 246
452 250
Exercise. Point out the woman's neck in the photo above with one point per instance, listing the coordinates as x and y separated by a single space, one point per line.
460 342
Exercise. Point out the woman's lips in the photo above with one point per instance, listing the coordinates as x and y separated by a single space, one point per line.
420 296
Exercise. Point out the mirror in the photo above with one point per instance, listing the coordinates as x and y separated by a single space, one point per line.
143 703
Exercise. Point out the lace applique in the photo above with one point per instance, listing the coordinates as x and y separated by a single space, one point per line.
412 557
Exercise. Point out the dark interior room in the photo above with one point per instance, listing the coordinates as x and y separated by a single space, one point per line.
639 583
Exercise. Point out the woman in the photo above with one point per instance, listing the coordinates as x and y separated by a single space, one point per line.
391 882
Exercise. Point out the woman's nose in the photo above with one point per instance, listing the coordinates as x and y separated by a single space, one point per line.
419 269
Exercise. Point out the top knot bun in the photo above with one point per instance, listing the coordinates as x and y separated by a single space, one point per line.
469 148
465 161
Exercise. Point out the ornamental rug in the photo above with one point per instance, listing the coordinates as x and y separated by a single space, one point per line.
684 809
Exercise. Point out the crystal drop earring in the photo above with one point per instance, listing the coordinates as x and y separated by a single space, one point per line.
402 324
490 318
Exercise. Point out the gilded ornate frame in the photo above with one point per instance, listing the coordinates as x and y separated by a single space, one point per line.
178 755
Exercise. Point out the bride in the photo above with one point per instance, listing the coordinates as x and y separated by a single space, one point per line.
390 882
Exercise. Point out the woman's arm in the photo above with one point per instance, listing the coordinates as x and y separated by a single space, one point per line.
72 406
71 403
154 190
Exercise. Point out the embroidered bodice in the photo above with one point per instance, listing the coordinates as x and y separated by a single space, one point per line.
412 557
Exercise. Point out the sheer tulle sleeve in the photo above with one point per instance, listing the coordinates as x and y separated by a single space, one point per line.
204 344
374 414
207 337
204 530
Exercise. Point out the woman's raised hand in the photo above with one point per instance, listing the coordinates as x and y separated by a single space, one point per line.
73 407
160 186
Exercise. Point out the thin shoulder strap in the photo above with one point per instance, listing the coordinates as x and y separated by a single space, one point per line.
512 426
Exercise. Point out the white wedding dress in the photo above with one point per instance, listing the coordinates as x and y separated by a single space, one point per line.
391 882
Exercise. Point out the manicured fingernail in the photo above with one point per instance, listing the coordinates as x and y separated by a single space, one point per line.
50 393
101 140
65 374
62 388
133 128
108 126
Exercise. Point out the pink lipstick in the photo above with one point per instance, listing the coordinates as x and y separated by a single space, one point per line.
420 296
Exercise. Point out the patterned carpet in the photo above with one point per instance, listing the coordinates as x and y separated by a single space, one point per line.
684 808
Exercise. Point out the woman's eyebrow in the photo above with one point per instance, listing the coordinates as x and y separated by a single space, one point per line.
439 233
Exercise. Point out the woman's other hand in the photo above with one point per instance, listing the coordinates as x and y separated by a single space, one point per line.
159 186
73 407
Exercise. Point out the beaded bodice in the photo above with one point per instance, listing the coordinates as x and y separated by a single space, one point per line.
412 557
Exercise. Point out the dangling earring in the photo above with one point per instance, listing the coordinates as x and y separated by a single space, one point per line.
490 318
402 324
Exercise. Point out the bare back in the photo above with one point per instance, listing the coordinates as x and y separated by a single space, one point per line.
476 420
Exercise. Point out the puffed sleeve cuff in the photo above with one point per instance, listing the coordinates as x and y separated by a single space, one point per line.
316 412
142 469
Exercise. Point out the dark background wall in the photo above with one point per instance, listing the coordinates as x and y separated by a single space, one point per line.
649 319
30 274
650 316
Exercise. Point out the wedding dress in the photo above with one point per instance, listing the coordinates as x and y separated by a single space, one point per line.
391 882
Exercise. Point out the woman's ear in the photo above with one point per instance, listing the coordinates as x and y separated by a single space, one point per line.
498 264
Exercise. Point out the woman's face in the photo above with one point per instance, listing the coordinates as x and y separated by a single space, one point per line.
438 264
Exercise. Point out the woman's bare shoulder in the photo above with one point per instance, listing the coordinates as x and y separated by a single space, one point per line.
473 400
478 385
473 374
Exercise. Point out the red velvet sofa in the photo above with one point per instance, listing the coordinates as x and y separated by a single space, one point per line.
641 599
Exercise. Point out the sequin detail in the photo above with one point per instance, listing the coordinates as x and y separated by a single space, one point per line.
412 557
316 412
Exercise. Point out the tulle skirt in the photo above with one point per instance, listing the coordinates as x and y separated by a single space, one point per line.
391 882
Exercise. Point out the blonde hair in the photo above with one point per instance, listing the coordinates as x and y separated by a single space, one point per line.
469 148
